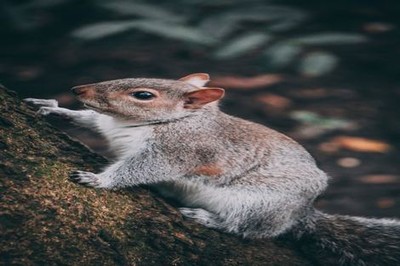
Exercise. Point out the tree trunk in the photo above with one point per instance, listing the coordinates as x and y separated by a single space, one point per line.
47 220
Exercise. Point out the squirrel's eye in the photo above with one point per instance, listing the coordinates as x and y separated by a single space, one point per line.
143 95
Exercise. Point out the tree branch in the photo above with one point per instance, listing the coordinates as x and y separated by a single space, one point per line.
45 219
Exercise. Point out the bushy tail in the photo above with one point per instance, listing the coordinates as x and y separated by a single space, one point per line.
345 240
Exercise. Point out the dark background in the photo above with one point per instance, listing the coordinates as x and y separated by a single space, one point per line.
325 73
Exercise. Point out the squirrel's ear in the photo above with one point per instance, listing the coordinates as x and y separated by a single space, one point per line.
196 99
197 79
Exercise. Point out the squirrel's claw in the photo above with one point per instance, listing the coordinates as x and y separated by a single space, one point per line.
201 216
45 110
84 178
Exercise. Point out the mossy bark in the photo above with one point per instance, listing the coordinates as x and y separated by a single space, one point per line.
47 220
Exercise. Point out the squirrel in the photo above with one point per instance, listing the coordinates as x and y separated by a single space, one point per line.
228 174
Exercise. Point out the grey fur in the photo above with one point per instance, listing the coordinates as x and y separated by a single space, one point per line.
230 174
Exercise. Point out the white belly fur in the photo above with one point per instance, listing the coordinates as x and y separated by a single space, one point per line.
123 140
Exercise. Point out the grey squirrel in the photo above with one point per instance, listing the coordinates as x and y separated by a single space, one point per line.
229 174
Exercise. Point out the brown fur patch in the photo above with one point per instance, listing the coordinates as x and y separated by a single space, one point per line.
208 170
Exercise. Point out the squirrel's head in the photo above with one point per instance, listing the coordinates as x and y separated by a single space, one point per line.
143 99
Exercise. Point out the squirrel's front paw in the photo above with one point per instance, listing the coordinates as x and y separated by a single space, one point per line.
47 106
85 178
42 102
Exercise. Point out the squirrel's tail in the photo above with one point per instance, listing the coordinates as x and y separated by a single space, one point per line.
345 240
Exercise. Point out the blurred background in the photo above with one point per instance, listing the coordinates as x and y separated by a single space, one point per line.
324 72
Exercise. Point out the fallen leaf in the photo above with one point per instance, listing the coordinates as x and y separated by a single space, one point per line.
378 27
246 82
379 179
275 101
183 237
361 144
384 203
311 93
348 162
328 147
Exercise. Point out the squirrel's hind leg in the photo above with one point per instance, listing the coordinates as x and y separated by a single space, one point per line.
85 178
89 179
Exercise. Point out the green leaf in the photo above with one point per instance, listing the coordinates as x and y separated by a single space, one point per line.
311 118
175 31
102 29
282 53
142 10
331 38
160 28
318 63
242 45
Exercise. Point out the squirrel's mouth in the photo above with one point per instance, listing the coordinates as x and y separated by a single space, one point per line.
92 107
98 109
